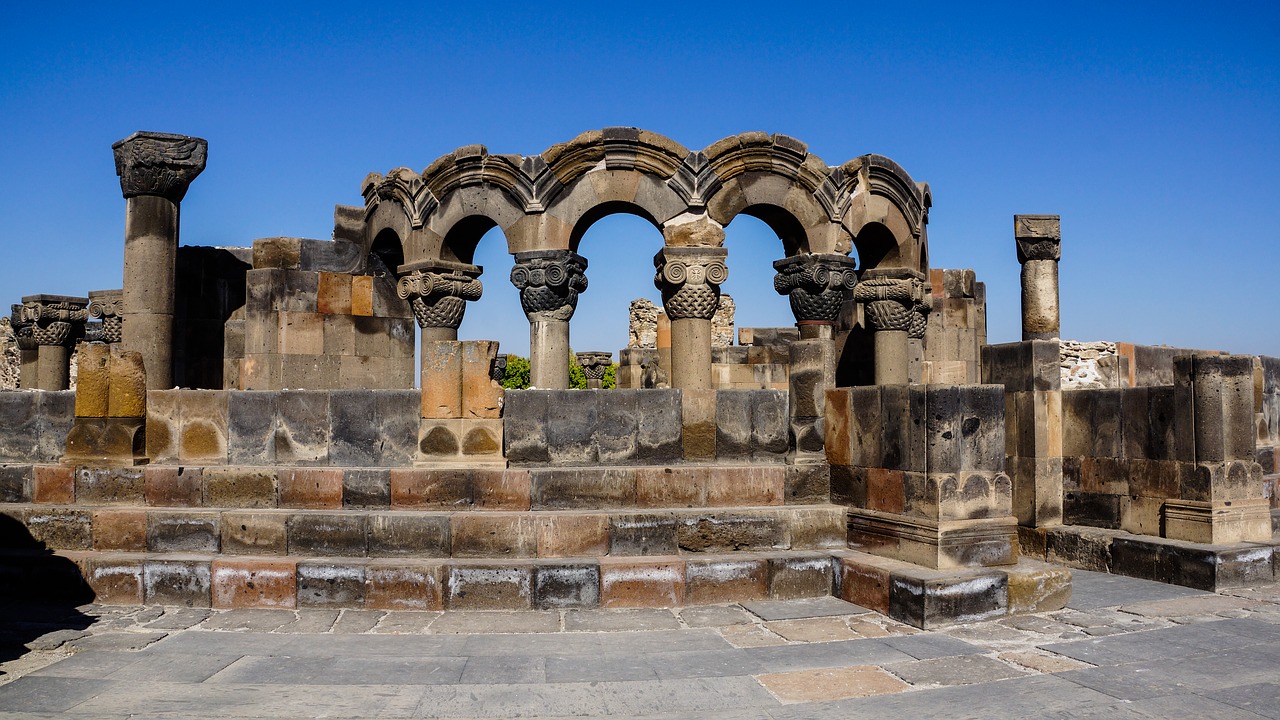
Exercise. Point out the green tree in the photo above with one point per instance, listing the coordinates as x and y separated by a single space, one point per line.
517 375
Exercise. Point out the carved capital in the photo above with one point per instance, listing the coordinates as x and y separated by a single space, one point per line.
498 369
439 295
891 300
106 306
55 319
21 327
594 363
690 280
159 164
1039 237
816 285
549 282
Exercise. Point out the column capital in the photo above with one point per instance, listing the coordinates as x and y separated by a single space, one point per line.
1039 237
159 164
549 282
690 279
107 306
55 319
891 297
594 363
21 325
816 285
438 293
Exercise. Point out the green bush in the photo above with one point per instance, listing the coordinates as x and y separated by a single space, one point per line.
517 376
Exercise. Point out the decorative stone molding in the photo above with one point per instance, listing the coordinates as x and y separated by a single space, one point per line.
439 295
159 164
594 363
21 325
891 298
549 282
690 280
1039 237
920 309
816 285
108 307
55 319
498 369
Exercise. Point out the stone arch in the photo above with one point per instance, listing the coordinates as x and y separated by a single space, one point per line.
886 214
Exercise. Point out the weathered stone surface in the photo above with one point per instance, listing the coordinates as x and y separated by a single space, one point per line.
568 585
642 534
177 582
255 533
403 535
366 488
328 534
183 531
331 584
241 487
302 433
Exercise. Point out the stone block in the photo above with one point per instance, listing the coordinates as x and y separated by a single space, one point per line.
942 433
19 431
725 579
203 438
642 534
795 576
734 410
255 533
333 294
616 434
366 488
310 488
658 436
982 428
300 333
114 580
16 483
659 487
61 528
441 379
354 439
186 583
566 585
422 488
572 535
1141 515
1038 587
183 531
524 427
93 379
494 535
641 582
328 534
397 424
164 425
742 486
302 431
571 427
731 531
240 487
50 484
254 583
501 488
170 486
481 394
595 487
927 600
849 485
886 491
339 583
805 484
120 529
110 486
251 423
55 415
816 527
865 580
770 426
490 586
698 424
397 585
1092 509
403 535
1084 548
482 438
440 440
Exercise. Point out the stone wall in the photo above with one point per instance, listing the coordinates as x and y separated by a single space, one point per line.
34 424
10 358
1092 365
956 329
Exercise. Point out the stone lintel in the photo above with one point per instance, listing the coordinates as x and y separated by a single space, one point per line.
441 266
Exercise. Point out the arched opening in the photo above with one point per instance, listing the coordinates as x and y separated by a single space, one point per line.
753 247
464 237
603 210
876 247
783 224
386 255
497 314
619 241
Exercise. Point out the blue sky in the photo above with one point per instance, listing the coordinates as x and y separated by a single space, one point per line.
1152 130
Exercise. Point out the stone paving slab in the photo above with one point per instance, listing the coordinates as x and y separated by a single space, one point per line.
804 608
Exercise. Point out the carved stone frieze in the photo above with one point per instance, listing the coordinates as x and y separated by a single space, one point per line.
816 285
891 300
549 282
498 368
159 164
439 296
594 363
1039 237
108 307
690 280
55 319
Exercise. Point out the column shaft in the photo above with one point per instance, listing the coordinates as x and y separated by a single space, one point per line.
549 354
53 370
892 357
691 354
1040 317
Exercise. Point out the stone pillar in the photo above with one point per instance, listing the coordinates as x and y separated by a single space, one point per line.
155 171
594 364
438 294
890 298
817 286
1039 240
27 348
690 279
57 323
549 282
107 307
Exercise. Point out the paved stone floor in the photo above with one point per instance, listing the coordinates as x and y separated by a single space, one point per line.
1124 648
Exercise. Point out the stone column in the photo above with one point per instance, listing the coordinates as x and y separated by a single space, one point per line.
594 363
27 348
106 306
438 294
817 286
57 323
1039 240
549 282
155 170
890 298
690 279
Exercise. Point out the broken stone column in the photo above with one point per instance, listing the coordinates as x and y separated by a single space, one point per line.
1039 240
690 279
549 282
155 171
57 323
106 306
594 364
891 299
438 295
27 347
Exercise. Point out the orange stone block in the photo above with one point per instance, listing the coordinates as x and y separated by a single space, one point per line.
173 486
311 488
885 490
422 488
404 586
573 535
53 484
746 486
334 295
114 581
865 585
501 489
723 580
120 529
362 295
655 581
253 583
672 486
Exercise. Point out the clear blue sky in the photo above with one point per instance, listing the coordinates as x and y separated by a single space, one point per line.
1154 131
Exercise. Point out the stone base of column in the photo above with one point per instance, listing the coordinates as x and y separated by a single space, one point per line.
937 544
1218 523
106 442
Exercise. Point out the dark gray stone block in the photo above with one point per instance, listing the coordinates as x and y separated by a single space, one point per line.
323 584
329 255
302 430
15 483
734 419
176 582
366 488
56 413
616 435
642 534
524 427
398 413
179 531
566 585
328 534
1107 427
770 426
895 418
942 429
354 440
569 488
982 441
807 484
19 425
571 424
660 426
1092 509
403 535
251 426
731 532
928 601
110 486
61 528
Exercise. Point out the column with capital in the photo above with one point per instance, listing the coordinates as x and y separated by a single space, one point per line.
549 282
1039 239
891 299
690 279
155 171
57 323
594 363
27 349
438 294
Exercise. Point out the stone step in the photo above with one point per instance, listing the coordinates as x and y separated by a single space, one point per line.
204 580
452 488
430 533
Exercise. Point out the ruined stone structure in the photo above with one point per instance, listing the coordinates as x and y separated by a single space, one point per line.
246 430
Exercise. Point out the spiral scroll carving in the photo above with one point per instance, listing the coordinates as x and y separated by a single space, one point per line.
549 283
690 283
109 311
55 322
438 299
815 285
